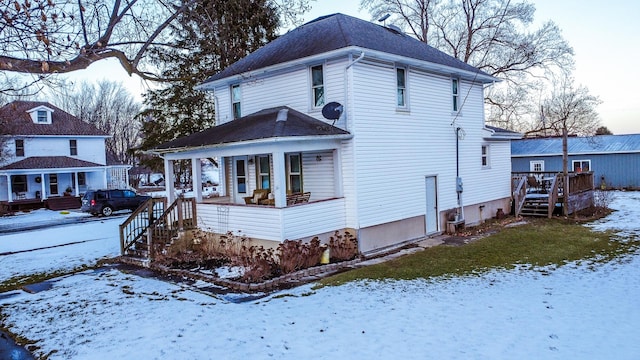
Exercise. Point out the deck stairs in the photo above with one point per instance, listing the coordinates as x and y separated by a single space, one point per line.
154 226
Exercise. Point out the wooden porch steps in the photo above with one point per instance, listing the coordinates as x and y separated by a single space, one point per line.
537 207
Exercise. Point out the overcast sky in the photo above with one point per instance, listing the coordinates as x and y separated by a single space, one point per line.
604 36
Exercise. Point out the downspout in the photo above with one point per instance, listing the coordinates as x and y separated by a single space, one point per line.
347 105
460 213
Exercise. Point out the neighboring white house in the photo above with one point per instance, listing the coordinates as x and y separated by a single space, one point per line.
50 151
408 135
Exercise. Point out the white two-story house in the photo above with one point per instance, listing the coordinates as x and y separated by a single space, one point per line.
351 125
50 152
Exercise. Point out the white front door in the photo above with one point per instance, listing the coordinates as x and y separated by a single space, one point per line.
431 219
239 179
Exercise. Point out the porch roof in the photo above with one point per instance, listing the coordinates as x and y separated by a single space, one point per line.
49 162
278 122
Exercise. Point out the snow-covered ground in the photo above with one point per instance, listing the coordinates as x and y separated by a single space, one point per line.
57 248
574 312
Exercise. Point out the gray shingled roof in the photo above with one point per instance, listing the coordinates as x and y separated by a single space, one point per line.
500 132
334 32
48 162
259 125
18 121
577 145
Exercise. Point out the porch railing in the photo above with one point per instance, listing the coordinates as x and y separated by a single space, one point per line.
154 223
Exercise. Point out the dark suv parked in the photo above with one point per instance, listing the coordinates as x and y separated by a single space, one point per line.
105 202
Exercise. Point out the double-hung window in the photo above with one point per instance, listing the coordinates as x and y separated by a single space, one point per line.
401 79
455 91
236 97
19 147
42 116
73 147
264 172
317 85
485 156
19 183
294 173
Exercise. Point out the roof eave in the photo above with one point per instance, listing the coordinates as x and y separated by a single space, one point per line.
283 139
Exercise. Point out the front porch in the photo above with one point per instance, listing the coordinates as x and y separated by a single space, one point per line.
272 197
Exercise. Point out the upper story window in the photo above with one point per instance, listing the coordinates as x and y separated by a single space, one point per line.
19 147
317 85
401 78
73 147
42 116
485 156
455 91
236 97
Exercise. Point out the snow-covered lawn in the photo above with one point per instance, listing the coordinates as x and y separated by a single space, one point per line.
575 312
58 248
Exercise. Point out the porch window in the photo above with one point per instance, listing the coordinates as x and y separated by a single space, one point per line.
264 172
53 184
294 173
42 116
455 94
19 147
581 165
73 147
19 183
401 79
317 85
236 97
82 180
485 156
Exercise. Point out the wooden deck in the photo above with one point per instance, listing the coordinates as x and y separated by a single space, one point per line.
542 193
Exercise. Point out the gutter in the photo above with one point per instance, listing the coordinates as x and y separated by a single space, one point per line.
249 143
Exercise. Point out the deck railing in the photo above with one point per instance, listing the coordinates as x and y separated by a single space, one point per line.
155 221
551 183
519 193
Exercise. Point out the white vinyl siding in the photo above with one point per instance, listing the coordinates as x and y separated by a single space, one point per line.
390 169
292 223
88 148
288 88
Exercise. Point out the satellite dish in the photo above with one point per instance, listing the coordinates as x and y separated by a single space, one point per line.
332 110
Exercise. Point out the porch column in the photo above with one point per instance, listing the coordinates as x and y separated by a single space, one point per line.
337 171
196 178
43 187
75 182
222 173
9 189
279 179
168 181
104 179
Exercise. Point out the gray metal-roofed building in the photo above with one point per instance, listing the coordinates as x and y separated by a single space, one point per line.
614 159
